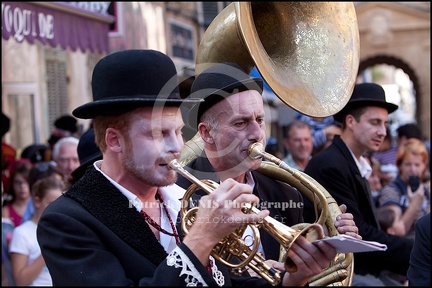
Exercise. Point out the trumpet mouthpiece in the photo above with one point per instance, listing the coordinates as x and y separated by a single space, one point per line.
174 165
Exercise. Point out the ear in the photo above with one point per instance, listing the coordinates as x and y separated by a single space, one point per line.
36 202
204 132
285 143
391 231
350 121
113 139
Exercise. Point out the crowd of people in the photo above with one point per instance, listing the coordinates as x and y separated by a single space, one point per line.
31 180
102 208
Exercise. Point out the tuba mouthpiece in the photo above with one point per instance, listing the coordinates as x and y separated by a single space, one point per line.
255 150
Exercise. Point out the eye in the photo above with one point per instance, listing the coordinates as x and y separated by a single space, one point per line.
156 134
374 122
260 120
240 123
179 132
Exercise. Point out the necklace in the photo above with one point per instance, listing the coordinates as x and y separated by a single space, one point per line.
157 226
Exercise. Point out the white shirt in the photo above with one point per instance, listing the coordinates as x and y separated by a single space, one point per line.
24 241
171 196
363 166
248 235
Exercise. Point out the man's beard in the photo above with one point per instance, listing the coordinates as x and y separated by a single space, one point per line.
147 174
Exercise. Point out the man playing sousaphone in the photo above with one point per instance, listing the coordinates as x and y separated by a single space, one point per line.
229 120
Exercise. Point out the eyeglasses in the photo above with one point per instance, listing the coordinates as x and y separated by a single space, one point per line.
45 166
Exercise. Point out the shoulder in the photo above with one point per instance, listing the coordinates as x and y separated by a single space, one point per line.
391 189
424 223
25 227
5 211
282 185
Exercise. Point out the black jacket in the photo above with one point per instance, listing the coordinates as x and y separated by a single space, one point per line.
91 236
335 169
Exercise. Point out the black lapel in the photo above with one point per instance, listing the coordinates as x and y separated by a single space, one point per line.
106 203
363 182
366 188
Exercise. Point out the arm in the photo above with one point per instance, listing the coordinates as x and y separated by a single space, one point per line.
416 199
5 212
419 270
391 196
24 274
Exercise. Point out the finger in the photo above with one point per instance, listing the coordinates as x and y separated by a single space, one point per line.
343 208
345 222
345 216
308 255
255 218
245 198
238 217
353 234
347 229
278 265
328 251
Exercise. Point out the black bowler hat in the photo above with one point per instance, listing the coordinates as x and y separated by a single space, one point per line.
215 84
67 122
88 153
366 94
129 79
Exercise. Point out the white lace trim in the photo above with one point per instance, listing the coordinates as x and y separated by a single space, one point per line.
179 259
216 274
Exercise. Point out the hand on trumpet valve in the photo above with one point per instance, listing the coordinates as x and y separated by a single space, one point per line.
222 211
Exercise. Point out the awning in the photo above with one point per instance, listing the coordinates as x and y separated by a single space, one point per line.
56 23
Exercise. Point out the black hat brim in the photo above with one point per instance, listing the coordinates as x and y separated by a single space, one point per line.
109 107
218 95
354 104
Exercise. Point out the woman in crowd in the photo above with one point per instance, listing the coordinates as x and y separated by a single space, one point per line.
19 193
413 202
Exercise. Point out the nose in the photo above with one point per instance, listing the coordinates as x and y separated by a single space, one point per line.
256 133
175 144
382 131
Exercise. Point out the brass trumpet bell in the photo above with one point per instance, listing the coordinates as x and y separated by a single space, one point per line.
307 52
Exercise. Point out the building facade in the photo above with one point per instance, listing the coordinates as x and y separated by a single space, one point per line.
49 50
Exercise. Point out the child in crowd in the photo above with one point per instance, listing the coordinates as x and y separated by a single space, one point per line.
28 265
390 220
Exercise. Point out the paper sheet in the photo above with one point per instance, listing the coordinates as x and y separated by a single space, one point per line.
348 244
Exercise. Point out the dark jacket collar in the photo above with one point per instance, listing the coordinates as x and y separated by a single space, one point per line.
106 203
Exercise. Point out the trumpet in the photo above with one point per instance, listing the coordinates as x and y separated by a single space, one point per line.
233 244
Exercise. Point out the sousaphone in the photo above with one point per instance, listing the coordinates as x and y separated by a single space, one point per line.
307 52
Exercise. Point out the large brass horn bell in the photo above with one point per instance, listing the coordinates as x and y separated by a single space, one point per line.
307 52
